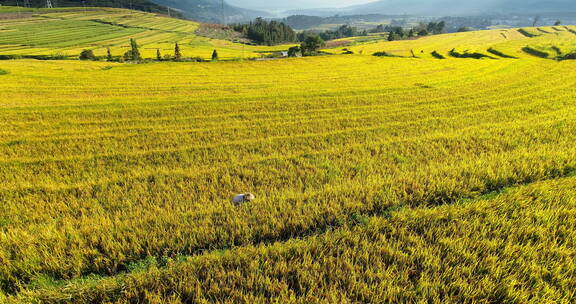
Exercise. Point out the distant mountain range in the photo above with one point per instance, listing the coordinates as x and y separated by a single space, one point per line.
446 7
199 10
211 11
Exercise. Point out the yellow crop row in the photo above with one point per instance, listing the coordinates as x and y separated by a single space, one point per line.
376 179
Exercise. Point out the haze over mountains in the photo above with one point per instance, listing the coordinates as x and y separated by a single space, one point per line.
244 10
211 10
448 7
241 10
286 5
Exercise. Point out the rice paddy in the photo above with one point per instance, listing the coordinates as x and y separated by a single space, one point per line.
508 43
377 180
66 32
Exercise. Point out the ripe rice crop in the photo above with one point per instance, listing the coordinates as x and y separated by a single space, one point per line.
107 165
508 42
68 31
377 179
514 246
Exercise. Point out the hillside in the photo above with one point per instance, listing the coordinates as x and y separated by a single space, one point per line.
550 42
377 179
141 5
197 10
66 32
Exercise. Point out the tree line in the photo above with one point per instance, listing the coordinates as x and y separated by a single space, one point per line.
303 22
400 33
343 31
266 32
134 55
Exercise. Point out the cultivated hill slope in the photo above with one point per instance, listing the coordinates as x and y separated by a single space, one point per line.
68 31
198 10
546 42
141 5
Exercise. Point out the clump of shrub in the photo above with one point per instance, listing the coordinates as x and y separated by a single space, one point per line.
500 54
384 54
294 51
312 45
4 72
55 56
526 33
177 53
134 53
437 55
475 55
87 55
535 52
571 56
10 57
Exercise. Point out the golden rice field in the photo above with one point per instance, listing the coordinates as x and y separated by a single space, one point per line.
506 42
69 31
378 180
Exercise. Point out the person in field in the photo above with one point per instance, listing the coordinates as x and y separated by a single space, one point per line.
243 198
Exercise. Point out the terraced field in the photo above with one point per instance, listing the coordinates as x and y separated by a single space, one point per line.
69 31
504 43
378 180
117 180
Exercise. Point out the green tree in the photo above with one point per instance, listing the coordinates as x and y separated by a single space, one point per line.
436 27
293 51
378 29
399 32
177 53
557 23
440 27
158 55
109 55
312 44
266 32
536 20
215 55
87 55
134 52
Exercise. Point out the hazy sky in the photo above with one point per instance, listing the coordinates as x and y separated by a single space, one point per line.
294 4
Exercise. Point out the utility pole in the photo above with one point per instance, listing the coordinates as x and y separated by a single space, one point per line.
18 6
223 13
